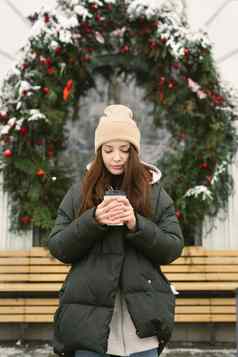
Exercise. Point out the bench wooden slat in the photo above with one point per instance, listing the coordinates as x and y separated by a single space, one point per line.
212 277
14 253
15 310
29 302
205 309
32 277
21 287
187 251
178 318
29 261
204 301
200 251
203 260
14 261
206 286
199 268
34 269
39 251
36 318
165 269
34 251
214 310
205 318
180 286
203 277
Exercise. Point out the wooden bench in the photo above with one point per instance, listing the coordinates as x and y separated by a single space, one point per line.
206 281
29 282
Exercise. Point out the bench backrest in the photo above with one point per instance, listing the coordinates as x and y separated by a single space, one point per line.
197 269
204 270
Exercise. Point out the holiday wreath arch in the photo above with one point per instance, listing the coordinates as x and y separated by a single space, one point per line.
66 48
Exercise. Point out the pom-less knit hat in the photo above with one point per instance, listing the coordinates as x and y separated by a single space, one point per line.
117 123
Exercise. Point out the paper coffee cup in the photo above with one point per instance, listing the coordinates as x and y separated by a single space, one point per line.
114 194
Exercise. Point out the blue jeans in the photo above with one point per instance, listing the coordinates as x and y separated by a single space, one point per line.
149 353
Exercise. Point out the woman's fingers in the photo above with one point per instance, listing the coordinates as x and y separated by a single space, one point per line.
115 211
123 200
122 215
114 205
110 213
111 205
119 199
125 217
115 215
107 219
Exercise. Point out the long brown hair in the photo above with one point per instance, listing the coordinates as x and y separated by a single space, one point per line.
135 182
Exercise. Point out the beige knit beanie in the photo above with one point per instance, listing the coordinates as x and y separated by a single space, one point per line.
117 123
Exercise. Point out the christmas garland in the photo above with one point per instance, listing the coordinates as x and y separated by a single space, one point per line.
65 50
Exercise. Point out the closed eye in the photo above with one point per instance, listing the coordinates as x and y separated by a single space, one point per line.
109 151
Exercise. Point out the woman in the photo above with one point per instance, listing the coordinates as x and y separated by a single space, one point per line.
115 300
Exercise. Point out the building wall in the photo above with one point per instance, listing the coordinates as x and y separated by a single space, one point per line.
9 240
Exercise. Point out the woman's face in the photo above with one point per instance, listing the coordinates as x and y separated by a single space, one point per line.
115 154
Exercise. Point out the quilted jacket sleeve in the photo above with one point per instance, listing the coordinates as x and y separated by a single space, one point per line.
160 241
72 237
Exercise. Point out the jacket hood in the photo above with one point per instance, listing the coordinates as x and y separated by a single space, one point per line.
156 173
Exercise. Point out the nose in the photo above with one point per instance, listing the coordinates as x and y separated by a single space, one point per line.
116 156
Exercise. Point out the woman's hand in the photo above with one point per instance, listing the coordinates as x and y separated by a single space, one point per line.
116 211
128 214
109 211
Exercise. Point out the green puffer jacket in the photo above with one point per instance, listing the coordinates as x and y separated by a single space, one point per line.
104 258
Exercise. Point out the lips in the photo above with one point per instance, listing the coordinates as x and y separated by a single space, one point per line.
116 167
